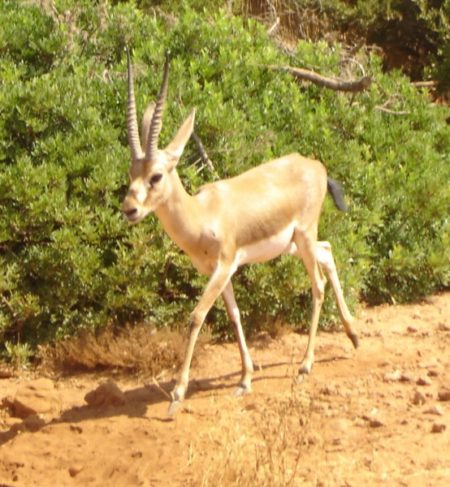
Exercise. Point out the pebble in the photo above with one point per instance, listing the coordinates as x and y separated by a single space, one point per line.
34 397
444 395
376 423
106 394
6 373
33 422
443 327
438 428
373 420
436 410
423 381
418 398
430 363
392 376
397 376
74 470
76 428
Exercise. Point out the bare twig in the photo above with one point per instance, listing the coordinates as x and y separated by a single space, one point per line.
354 61
425 84
274 26
160 388
382 108
336 84
201 149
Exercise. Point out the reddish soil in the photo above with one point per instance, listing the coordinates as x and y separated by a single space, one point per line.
374 416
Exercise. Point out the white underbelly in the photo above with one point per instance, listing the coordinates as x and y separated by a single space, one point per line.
278 244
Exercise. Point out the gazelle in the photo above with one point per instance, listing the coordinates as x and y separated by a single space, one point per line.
270 210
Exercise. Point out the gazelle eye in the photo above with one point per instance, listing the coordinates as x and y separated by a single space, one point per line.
155 179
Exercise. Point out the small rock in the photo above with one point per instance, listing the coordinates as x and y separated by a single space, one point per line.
385 363
6 373
33 422
406 378
433 373
313 439
443 327
428 364
328 390
74 470
76 429
436 410
418 398
373 420
106 394
376 423
438 428
11 422
423 381
411 329
444 395
35 397
392 376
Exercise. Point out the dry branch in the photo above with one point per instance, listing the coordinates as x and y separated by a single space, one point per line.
382 108
336 84
385 107
425 84
201 149
273 27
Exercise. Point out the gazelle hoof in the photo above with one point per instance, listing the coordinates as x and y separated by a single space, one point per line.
304 369
242 390
354 339
173 408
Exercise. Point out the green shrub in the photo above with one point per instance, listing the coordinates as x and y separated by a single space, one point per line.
68 259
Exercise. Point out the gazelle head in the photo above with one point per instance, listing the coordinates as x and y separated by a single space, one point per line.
152 169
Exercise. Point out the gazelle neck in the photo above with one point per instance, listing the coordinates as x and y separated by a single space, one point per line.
179 215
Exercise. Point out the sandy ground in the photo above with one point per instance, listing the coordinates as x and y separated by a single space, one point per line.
374 416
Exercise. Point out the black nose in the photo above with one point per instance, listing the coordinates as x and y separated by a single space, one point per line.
131 212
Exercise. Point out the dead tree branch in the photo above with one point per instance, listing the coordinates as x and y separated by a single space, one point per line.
391 100
382 108
273 27
425 84
352 86
203 154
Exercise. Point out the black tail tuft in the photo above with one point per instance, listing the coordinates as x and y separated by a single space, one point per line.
337 194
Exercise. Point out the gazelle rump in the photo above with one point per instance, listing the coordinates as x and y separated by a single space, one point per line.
267 211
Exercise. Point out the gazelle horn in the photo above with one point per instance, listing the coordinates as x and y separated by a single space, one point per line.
156 123
132 123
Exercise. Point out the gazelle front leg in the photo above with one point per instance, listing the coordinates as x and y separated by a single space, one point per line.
214 288
245 384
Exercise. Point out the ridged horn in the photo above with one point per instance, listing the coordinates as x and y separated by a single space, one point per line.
156 123
132 123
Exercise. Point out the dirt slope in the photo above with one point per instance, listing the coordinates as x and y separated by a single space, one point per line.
370 417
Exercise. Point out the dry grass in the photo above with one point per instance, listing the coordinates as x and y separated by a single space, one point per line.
137 349
267 453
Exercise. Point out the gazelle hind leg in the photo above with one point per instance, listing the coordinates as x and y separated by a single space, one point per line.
306 250
325 259
245 384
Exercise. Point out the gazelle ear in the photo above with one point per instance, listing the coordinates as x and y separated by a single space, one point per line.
176 147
